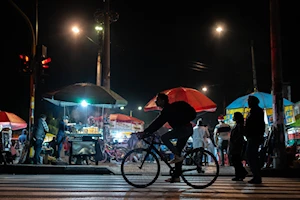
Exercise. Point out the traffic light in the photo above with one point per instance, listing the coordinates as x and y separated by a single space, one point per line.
45 62
25 64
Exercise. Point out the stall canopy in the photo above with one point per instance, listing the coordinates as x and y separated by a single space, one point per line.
92 94
11 120
265 102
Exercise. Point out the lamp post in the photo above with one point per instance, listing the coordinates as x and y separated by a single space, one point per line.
220 30
32 81
99 30
131 111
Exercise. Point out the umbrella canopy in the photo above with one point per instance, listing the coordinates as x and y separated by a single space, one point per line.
95 95
265 101
121 118
8 119
195 98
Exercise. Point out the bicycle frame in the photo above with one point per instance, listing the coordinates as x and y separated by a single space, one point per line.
152 147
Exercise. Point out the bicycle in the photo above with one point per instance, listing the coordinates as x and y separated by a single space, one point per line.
111 152
144 169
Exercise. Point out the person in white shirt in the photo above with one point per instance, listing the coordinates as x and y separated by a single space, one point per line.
222 137
200 133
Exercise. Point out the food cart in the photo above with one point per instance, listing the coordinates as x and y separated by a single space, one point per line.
83 141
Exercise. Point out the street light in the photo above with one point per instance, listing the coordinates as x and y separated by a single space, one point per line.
75 29
219 30
99 30
131 111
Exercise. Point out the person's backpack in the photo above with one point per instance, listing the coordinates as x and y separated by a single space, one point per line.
188 112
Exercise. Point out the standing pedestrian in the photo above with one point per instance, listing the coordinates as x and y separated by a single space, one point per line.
221 138
62 127
255 128
39 134
200 133
236 145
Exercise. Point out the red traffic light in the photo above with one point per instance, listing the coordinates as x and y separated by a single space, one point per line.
44 62
24 57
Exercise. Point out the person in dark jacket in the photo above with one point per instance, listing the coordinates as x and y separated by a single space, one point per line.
62 127
255 128
179 115
236 146
39 134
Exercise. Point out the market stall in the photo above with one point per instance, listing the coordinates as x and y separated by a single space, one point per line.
83 136
121 126
266 103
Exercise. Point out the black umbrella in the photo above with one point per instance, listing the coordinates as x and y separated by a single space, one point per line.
77 93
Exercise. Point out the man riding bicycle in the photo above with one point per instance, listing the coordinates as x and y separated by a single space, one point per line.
179 115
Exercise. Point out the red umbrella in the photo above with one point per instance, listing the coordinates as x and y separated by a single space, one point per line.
167 125
121 118
192 96
11 120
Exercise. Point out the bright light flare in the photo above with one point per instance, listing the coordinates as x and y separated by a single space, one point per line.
99 28
204 89
219 29
84 103
140 108
122 108
75 30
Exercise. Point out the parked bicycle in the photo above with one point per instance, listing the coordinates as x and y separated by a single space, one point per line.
200 168
113 152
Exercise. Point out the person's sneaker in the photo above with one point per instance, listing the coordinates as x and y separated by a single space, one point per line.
58 159
173 180
255 181
176 159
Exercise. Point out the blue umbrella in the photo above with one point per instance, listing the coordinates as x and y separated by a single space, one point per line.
265 101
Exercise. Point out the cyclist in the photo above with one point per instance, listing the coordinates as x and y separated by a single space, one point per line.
179 115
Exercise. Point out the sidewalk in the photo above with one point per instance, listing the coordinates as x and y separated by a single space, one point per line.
114 169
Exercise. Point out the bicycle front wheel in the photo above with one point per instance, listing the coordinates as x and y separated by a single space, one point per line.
200 169
140 168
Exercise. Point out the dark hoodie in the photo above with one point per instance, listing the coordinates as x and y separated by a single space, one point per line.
255 124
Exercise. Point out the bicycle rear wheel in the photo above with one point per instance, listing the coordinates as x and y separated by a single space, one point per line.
200 169
120 153
140 168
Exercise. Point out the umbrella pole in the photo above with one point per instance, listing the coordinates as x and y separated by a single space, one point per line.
102 122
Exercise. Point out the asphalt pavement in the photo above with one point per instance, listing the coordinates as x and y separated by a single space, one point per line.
114 168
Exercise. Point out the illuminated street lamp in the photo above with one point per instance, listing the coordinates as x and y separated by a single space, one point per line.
219 29
99 28
131 111
75 29
100 31
204 89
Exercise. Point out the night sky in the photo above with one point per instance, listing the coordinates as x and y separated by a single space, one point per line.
154 46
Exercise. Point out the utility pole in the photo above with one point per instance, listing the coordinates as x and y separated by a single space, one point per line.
277 81
33 63
253 67
105 17
99 17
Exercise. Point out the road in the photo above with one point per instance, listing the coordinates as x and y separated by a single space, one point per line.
108 187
